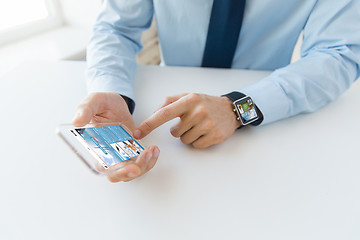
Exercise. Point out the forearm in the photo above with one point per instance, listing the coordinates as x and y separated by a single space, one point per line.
114 44
304 86
329 64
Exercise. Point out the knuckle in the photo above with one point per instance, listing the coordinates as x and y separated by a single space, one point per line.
198 145
200 112
194 98
164 113
218 137
147 125
184 140
209 125
204 109
84 107
175 132
97 96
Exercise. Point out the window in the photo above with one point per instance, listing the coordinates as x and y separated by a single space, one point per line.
21 18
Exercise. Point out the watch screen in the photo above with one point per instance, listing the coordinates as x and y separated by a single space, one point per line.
246 110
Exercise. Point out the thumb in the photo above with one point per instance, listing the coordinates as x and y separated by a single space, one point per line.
86 110
82 116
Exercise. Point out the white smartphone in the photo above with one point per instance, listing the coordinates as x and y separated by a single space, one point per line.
103 147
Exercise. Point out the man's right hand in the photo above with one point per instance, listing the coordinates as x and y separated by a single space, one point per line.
106 107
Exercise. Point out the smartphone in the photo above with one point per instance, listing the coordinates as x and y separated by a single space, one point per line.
103 147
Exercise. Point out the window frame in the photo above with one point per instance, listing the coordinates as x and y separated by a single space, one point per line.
55 19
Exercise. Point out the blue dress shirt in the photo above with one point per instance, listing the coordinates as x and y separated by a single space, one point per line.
330 54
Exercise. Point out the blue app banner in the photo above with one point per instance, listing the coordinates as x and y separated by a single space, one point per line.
113 144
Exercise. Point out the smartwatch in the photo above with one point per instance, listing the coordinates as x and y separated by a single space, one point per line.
245 109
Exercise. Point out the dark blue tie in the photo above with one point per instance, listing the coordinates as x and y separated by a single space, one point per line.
223 34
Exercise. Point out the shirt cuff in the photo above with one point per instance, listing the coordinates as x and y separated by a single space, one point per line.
130 103
270 99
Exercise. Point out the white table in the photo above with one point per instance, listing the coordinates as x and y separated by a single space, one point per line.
294 179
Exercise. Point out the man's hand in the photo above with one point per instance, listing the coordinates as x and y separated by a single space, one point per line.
106 107
204 120
103 107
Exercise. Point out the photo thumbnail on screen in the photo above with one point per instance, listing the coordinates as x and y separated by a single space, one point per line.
109 144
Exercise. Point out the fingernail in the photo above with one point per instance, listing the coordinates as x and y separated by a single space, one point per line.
131 175
148 157
156 153
137 133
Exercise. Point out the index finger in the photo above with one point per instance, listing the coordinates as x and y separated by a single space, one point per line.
163 115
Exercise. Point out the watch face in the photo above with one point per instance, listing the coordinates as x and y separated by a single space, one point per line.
246 109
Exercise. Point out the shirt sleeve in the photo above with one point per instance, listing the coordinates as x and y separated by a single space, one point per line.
329 64
115 41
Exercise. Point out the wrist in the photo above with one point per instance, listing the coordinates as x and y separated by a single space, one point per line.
245 109
232 115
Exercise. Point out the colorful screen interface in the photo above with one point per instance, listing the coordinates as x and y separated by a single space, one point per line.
112 144
247 110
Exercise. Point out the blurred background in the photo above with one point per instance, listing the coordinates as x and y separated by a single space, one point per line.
54 30
58 30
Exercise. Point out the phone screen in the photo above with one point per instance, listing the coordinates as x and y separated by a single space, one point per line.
108 144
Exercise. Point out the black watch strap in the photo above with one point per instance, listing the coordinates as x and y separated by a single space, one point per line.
233 96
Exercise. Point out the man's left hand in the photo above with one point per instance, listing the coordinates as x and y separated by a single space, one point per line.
204 120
